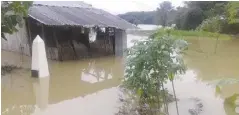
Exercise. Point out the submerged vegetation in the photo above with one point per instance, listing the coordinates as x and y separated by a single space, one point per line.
150 64
230 101
8 69
192 33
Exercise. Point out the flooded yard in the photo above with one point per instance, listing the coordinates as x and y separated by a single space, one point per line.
90 86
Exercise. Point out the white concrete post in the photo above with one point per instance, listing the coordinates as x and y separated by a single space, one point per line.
41 72
39 60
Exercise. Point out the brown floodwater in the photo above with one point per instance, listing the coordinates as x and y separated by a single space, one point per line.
90 86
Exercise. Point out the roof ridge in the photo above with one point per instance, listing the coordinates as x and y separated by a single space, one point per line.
68 4
80 15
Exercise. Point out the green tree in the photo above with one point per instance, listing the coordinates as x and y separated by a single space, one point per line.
150 64
213 24
209 8
233 12
139 17
195 12
193 17
12 14
163 11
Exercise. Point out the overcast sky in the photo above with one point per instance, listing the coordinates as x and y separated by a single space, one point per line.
123 6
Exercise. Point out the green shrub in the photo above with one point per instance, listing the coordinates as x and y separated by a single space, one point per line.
191 33
214 24
150 64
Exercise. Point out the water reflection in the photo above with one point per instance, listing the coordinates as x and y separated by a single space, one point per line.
73 93
84 84
94 74
89 87
83 77
41 90
205 66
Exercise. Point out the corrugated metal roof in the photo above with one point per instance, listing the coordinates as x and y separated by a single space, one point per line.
63 3
81 15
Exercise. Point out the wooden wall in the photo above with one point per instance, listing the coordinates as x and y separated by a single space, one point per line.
17 42
62 49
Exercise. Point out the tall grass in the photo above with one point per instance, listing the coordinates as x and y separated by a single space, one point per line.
192 33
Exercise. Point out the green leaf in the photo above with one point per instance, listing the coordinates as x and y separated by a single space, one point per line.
5 29
3 36
19 18
13 20
140 92
12 14
171 76
218 89
232 99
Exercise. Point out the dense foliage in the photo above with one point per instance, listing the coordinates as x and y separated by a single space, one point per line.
201 15
12 14
213 24
163 12
164 15
233 12
140 17
150 64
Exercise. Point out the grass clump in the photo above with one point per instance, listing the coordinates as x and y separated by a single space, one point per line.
191 33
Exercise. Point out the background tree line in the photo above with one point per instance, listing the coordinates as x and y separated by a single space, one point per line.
212 16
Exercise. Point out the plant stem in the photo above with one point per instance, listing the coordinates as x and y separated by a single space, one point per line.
175 98
215 50
158 87
165 101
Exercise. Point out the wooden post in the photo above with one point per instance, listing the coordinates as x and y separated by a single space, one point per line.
73 48
57 45
44 39
120 42
29 36
113 42
42 32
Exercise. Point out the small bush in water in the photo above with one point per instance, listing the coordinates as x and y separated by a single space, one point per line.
150 63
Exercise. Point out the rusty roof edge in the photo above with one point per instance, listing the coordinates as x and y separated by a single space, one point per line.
86 26
127 24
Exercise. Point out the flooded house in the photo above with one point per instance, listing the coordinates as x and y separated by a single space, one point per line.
70 30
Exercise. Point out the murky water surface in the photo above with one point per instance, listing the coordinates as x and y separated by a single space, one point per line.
90 87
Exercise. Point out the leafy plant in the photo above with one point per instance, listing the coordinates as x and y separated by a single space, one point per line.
214 24
163 11
150 64
231 100
232 11
12 14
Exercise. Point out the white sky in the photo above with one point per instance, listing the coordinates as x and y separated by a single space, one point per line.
123 6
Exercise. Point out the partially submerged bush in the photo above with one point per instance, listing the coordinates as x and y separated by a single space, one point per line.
214 24
150 64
